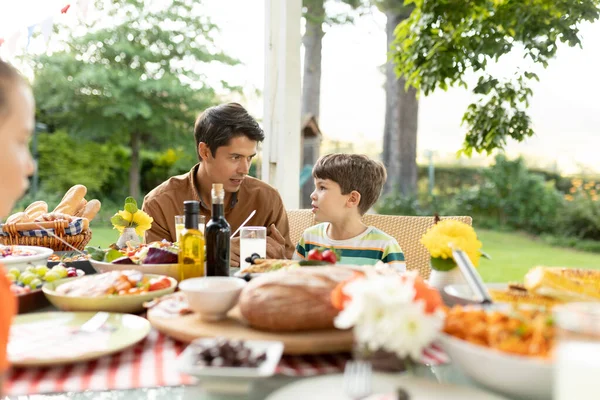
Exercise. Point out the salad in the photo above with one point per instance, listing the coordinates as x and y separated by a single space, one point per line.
14 251
162 252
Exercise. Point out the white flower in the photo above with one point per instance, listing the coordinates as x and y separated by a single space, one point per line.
384 315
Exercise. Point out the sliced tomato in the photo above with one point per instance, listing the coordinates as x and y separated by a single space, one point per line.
159 284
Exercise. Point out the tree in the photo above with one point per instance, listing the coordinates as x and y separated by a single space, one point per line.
401 112
136 81
445 40
315 17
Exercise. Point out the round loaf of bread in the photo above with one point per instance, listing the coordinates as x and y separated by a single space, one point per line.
36 209
71 200
293 300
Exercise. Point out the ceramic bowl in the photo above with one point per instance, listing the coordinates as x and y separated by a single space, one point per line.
212 296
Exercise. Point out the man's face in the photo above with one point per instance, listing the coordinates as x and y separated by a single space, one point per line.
231 163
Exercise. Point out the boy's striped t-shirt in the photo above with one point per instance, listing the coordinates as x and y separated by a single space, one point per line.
368 248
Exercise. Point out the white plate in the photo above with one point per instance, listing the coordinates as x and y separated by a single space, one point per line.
21 262
461 293
231 379
50 338
171 270
519 376
330 387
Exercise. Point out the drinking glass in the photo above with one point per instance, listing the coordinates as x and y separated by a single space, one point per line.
201 223
253 239
179 225
577 353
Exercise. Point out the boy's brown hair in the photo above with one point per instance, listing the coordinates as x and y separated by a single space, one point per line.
353 172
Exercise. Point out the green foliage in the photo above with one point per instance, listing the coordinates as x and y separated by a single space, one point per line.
581 218
137 79
512 196
592 246
444 40
64 162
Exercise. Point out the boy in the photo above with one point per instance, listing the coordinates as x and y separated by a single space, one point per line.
346 186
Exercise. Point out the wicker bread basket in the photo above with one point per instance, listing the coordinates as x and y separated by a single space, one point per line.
78 241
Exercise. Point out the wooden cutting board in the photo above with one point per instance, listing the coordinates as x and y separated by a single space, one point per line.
189 327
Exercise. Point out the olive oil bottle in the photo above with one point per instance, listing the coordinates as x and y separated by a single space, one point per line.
218 233
191 244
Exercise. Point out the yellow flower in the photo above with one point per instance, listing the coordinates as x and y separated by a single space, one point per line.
142 222
126 215
576 182
438 237
568 197
573 190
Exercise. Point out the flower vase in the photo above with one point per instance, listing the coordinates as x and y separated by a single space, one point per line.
128 236
440 279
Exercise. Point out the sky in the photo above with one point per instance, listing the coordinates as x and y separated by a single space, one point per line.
565 109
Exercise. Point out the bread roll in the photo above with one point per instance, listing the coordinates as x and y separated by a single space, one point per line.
18 218
36 209
91 209
71 200
54 216
79 210
293 300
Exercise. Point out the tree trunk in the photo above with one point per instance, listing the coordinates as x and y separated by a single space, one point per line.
313 42
134 168
311 82
400 130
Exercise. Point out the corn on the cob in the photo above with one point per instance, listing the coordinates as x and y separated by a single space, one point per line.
564 284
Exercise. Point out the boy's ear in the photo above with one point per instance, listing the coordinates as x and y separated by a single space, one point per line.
353 199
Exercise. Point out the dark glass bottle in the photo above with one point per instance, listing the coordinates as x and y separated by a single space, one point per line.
217 233
191 244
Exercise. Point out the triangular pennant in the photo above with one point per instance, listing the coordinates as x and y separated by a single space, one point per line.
65 9
46 28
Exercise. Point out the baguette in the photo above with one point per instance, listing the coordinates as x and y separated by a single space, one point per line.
54 216
36 209
71 200
293 300
79 210
18 218
91 209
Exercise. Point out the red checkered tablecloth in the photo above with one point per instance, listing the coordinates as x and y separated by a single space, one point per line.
151 363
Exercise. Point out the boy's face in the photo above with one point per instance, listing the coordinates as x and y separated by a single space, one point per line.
328 202
16 164
231 163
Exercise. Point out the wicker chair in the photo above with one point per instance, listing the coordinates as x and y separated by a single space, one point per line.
407 231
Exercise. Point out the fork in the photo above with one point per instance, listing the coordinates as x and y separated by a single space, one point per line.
357 379
94 323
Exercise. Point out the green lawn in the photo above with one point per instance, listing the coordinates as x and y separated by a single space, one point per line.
513 254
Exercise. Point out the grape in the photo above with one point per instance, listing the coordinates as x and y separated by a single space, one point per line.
26 277
14 272
61 271
71 273
31 269
41 270
35 283
51 276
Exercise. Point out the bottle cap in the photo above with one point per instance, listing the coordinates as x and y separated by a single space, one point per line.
191 207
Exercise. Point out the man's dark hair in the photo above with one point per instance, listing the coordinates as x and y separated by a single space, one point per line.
217 125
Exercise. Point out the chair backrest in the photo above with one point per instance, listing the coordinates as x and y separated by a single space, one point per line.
406 230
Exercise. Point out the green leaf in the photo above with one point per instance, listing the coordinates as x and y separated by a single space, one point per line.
117 220
96 253
131 205
112 255
442 264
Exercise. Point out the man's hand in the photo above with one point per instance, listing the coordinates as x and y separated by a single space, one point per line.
275 243
234 252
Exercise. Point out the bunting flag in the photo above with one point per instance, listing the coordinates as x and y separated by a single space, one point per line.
19 23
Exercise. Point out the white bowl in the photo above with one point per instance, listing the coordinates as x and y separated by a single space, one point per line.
212 296
171 270
21 262
517 376
231 379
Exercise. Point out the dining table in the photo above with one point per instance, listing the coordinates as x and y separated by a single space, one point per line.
260 389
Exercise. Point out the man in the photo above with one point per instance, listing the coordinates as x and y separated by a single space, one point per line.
226 141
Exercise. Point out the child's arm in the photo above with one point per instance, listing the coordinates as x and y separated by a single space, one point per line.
394 256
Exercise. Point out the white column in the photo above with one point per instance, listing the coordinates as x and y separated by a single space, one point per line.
282 94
